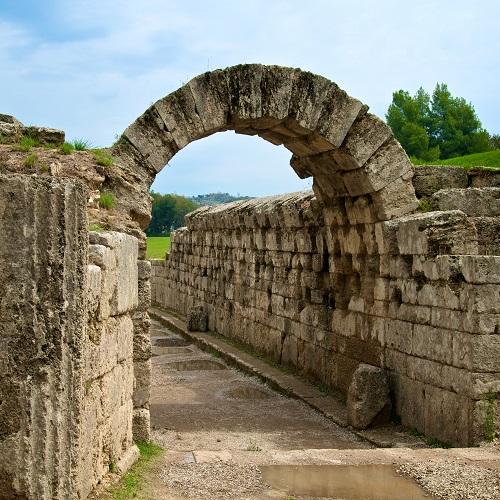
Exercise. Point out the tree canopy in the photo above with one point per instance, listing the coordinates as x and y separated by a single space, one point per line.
436 127
168 213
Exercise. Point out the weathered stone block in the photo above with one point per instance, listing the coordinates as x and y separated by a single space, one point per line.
142 384
197 320
476 202
430 179
436 233
365 137
141 425
368 397
116 254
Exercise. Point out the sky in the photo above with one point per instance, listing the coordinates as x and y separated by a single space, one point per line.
90 67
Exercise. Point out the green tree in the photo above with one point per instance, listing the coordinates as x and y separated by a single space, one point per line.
168 211
439 127
495 141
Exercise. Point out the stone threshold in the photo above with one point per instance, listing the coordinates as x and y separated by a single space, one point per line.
333 408
487 457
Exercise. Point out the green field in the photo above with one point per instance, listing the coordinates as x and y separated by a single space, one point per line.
157 247
490 159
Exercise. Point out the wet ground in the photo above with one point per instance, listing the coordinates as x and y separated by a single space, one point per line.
218 424
200 403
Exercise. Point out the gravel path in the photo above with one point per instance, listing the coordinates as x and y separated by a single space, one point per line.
452 480
219 480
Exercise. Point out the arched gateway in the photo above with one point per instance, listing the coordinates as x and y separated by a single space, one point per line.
349 153
327 284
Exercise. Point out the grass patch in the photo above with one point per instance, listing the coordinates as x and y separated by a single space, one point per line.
130 484
102 158
26 143
107 200
157 247
415 433
30 160
44 168
253 446
489 160
66 148
96 227
424 205
81 145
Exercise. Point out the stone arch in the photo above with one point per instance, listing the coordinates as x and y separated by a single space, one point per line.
351 154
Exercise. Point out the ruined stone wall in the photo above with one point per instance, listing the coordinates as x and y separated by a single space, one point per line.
108 367
43 252
70 317
326 289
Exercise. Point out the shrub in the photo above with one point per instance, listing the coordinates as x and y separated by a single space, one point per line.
26 143
107 200
424 205
31 160
81 144
102 157
96 227
44 168
66 148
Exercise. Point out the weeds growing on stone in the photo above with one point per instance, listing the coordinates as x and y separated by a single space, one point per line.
26 143
81 145
30 160
66 148
96 227
107 200
102 158
424 205
429 441
130 484
43 167
436 443
415 433
253 446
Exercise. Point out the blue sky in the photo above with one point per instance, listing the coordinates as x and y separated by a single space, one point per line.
91 67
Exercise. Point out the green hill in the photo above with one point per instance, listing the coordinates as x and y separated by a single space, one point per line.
490 159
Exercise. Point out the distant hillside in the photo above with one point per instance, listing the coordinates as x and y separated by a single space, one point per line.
216 198
490 159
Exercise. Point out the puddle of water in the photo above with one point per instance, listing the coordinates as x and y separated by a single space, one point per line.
246 393
169 342
348 482
194 364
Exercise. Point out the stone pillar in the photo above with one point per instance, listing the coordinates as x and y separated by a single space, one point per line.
43 257
142 355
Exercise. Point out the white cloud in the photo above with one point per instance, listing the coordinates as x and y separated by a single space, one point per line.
118 56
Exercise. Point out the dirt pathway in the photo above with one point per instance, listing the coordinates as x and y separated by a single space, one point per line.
228 436
220 426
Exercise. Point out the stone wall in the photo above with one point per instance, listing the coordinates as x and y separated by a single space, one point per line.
324 289
43 252
69 313
108 365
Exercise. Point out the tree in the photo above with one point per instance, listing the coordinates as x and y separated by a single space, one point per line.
495 141
168 213
441 127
